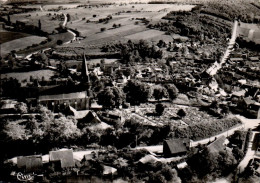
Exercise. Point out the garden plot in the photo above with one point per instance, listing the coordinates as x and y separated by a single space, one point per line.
170 116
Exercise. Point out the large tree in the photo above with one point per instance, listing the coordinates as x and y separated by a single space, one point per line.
111 97
136 92
172 91
159 108
159 92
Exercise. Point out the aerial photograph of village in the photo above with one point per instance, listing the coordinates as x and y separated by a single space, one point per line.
129 91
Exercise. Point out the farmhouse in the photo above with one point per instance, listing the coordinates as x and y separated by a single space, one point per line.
175 147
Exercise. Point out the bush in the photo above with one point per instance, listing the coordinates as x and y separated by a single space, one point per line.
181 113
159 108
59 42
102 29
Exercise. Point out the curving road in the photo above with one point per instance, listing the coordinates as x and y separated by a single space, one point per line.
65 20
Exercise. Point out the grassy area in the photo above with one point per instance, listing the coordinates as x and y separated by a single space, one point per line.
250 31
32 18
20 44
9 36
125 15
64 37
25 76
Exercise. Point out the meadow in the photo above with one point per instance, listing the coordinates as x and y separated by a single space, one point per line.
20 44
86 21
6 36
25 76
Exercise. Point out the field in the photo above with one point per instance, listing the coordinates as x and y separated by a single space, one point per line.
6 36
250 31
54 38
127 15
32 18
22 76
19 44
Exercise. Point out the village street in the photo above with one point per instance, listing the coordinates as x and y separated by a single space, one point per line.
216 66
249 154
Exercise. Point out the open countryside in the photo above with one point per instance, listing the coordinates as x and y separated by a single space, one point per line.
130 91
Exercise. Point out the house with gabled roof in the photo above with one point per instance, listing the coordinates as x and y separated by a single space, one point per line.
176 147
217 145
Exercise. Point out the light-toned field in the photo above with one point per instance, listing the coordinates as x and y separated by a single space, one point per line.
127 15
124 14
19 44
22 76
47 24
148 34
251 31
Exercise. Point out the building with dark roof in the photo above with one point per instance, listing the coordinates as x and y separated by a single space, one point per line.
175 147
217 145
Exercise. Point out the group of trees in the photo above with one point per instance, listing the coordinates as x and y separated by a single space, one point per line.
105 20
204 129
10 87
111 97
207 166
228 11
55 131
193 24
134 52
135 92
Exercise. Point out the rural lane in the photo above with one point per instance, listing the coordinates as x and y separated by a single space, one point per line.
216 66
